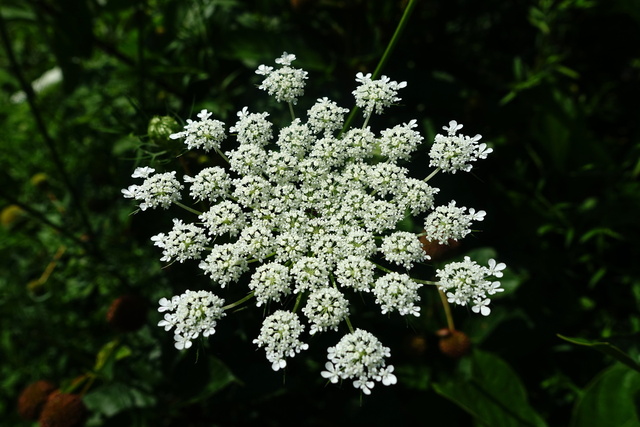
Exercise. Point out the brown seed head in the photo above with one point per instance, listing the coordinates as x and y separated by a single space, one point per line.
453 344
63 410
33 398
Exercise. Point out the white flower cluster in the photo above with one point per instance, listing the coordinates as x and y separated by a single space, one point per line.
286 83
466 283
279 335
161 189
206 134
310 212
375 95
359 356
450 222
184 241
192 314
453 152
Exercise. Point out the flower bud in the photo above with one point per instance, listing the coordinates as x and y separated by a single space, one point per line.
33 398
453 344
160 127
127 313
438 251
63 410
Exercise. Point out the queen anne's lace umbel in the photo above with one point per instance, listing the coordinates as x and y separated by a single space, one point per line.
192 314
308 215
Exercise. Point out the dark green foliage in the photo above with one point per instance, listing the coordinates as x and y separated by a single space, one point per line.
552 85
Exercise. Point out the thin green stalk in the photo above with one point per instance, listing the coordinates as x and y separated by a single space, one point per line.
424 282
237 303
385 56
349 325
187 208
298 301
293 115
432 174
447 310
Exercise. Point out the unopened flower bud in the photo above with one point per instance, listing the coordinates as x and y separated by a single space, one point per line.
160 127
453 344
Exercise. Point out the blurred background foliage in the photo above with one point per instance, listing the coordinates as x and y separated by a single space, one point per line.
553 86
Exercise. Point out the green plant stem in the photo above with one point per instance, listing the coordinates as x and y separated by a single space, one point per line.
432 174
425 282
187 208
293 115
447 310
221 154
349 325
298 301
237 303
385 56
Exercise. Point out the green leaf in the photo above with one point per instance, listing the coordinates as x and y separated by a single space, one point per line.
197 378
113 398
606 348
492 394
108 355
610 400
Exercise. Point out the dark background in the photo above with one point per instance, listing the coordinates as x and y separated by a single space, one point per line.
553 87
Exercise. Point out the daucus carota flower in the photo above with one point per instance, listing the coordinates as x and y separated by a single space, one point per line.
279 336
184 241
161 189
450 222
466 283
191 314
453 152
359 356
310 212
286 83
375 95
206 133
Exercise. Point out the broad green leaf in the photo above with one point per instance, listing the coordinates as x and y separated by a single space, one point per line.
493 394
198 377
607 349
113 398
610 400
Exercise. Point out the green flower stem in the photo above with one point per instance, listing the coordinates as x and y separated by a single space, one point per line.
185 207
385 269
298 301
349 325
425 282
240 301
221 154
385 56
366 121
447 310
432 174
293 115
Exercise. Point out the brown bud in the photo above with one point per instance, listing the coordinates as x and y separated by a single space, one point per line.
453 344
63 410
33 398
438 251
127 313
